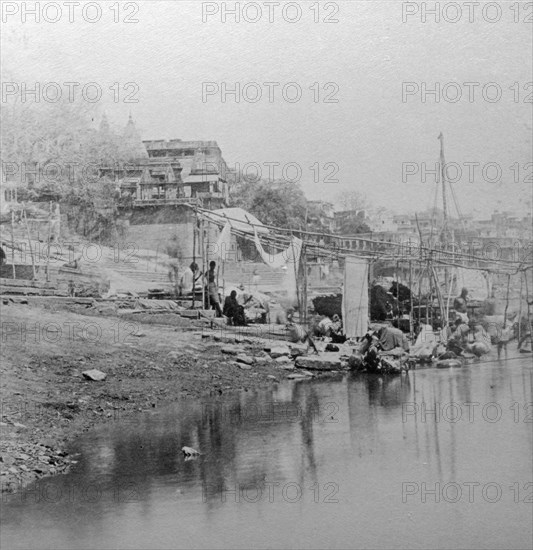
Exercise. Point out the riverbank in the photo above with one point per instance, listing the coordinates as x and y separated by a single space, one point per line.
46 400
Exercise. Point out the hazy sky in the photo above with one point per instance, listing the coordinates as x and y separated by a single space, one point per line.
368 54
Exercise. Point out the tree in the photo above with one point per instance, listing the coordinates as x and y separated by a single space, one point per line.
279 203
353 226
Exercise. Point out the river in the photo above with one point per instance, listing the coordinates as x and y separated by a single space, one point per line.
431 459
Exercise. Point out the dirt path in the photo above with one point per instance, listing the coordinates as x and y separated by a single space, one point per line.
46 401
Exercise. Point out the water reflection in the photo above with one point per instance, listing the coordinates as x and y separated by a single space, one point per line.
357 439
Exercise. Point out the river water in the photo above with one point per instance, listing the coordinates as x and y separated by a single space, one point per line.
432 459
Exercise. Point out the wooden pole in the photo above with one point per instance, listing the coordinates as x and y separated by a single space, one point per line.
48 241
13 244
520 311
410 298
29 243
304 254
430 286
439 295
397 296
296 279
202 239
194 229
530 329
507 300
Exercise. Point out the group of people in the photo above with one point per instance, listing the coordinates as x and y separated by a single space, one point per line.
331 328
233 309
191 282
462 338
381 350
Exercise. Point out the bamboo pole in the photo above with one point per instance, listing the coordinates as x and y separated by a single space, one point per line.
506 300
530 329
411 299
296 279
397 296
304 254
29 243
430 288
13 244
202 239
48 242
520 311
439 294
194 229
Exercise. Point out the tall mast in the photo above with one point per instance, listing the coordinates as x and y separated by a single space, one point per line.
445 234
443 181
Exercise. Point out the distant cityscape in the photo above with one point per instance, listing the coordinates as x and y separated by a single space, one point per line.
162 173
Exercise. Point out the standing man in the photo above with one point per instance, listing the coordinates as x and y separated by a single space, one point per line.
2 254
173 276
188 279
212 288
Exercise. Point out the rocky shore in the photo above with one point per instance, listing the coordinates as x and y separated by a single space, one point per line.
48 398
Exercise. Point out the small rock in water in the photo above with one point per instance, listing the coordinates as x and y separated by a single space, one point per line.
95 375
189 451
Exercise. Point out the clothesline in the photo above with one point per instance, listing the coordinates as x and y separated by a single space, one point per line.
452 258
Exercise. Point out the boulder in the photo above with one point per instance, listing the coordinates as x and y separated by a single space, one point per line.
95 375
279 351
243 366
298 349
232 350
319 362
287 366
246 359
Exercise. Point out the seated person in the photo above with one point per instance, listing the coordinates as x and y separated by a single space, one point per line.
460 305
391 338
481 344
233 310
459 337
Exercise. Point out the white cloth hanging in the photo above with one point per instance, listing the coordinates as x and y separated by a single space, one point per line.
355 297
223 250
289 260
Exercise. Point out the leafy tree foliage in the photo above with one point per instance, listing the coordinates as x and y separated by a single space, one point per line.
279 203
